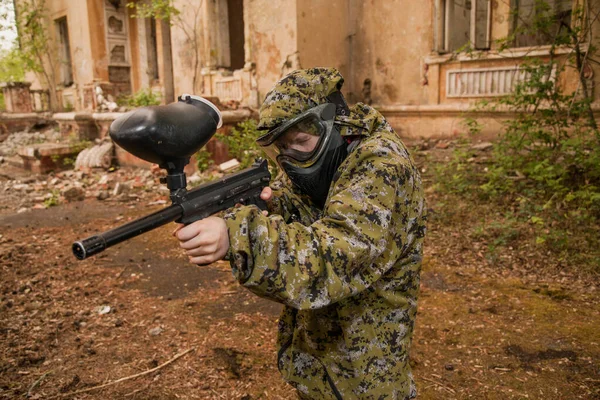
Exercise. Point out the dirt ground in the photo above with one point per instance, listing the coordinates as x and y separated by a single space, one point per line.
67 326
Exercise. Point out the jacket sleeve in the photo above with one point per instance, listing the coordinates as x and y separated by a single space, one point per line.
338 255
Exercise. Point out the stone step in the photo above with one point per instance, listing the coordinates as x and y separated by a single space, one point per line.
42 158
14 161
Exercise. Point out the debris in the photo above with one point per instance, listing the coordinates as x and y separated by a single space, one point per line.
103 310
120 188
229 165
482 146
99 156
74 193
102 195
194 179
22 187
155 331
104 179
15 141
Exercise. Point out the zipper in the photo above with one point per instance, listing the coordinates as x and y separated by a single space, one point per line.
281 351
336 392
287 344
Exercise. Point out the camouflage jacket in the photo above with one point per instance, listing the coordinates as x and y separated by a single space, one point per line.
348 275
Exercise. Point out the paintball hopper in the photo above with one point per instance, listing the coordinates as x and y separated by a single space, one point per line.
168 134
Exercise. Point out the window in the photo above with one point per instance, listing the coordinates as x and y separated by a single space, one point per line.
527 12
228 28
152 49
64 52
235 14
462 23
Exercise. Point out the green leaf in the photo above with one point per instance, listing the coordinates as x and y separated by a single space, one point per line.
537 220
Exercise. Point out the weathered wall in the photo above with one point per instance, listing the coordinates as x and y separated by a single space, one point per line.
271 38
79 35
79 38
389 40
97 39
324 36
183 49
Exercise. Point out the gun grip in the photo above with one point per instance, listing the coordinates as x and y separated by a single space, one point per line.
260 203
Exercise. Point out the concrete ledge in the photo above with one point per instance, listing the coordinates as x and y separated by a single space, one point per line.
440 121
229 116
108 116
40 115
447 120
233 116
18 122
66 116
73 116
512 53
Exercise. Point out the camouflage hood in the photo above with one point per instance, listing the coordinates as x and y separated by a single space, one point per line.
302 90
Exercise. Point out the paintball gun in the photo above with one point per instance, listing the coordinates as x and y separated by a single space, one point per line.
168 135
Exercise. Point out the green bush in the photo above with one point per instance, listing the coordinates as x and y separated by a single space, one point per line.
203 160
551 147
542 179
241 142
241 145
142 98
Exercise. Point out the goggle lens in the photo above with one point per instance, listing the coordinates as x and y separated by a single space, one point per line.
300 140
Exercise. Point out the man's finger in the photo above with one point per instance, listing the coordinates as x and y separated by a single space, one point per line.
199 251
202 260
188 232
179 226
266 193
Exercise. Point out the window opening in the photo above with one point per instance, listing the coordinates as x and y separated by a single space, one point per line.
152 46
64 52
463 23
525 14
235 17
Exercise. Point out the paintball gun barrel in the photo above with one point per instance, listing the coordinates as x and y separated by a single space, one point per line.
168 135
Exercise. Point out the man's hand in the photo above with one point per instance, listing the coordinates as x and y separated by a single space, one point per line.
205 241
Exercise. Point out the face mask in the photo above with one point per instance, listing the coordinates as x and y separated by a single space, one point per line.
316 179
309 149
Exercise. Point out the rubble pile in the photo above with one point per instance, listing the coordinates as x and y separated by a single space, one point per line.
118 185
43 191
15 141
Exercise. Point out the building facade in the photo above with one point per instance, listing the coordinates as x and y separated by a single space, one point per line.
422 63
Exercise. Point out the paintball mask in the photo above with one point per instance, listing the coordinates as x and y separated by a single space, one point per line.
309 148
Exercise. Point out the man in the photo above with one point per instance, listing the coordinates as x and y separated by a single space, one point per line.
341 247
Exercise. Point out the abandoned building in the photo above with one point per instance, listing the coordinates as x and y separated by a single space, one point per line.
404 57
